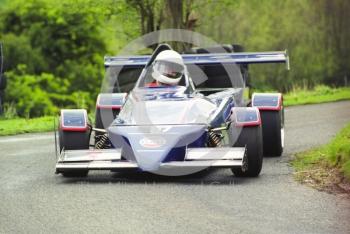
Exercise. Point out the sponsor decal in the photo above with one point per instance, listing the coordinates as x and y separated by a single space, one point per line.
152 142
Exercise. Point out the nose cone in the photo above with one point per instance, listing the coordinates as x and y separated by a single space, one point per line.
151 149
150 145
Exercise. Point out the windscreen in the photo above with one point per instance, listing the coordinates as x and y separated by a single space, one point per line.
178 111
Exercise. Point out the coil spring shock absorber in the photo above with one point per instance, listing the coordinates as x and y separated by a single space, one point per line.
214 139
102 142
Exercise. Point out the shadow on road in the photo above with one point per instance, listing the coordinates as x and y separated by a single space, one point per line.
206 177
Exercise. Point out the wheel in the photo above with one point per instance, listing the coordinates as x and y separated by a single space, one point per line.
73 140
98 121
273 132
251 138
104 117
75 173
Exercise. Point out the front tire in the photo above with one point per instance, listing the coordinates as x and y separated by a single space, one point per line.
251 138
273 132
74 141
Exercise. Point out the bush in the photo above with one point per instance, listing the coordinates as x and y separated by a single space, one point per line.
62 38
44 94
31 97
53 54
17 50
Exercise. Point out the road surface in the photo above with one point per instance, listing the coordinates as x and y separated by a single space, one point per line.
35 200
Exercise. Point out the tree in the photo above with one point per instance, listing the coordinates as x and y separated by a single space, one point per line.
150 13
334 14
160 14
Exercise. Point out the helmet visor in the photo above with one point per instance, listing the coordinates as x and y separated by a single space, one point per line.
169 69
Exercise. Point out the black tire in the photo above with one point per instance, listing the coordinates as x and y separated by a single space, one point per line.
98 120
272 124
108 117
74 140
251 138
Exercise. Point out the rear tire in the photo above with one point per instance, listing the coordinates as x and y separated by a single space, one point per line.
273 132
104 118
251 138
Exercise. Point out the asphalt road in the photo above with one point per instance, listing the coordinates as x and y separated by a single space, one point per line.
35 200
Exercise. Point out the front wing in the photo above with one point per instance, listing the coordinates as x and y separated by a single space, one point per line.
111 159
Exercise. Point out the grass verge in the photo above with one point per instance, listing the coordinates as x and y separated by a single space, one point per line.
19 125
319 94
326 168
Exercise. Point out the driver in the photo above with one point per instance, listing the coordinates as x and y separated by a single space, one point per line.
168 68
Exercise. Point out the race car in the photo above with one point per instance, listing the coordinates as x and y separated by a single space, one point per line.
201 122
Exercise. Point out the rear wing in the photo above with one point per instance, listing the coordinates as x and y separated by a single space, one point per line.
206 59
125 70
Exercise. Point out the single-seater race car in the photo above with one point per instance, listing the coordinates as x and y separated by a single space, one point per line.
202 122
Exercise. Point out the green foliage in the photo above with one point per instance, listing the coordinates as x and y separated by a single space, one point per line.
44 94
10 111
17 50
64 37
33 88
54 51
63 42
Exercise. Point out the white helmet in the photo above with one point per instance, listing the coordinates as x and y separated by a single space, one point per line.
168 67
